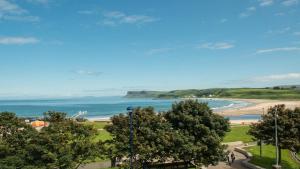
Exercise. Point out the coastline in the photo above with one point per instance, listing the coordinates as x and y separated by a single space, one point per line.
255 107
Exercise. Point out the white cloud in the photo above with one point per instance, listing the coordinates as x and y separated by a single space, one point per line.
249 11
289 2
223 20
277 77
265 2
279 14
18 40
297 33
216 45
11 8
114 18
20 18
13 12
86 12
284 49
280 31
88 73
39 1
158 51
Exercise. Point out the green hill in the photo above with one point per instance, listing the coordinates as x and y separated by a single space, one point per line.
277 92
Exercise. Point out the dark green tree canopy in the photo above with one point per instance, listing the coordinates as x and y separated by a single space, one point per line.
188 132
64 144
288 128
152 135
201 132
288 131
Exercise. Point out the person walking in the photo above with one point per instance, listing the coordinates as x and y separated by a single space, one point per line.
228 159
232 157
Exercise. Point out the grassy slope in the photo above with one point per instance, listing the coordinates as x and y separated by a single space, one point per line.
268 156
245 93
238 133
102 134
261 93
98 125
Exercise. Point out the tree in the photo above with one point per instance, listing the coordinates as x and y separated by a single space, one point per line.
288 128
152 136
55 117
14 135
64 144
69 141
200 130
190 132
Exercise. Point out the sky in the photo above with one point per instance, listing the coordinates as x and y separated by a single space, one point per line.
70 48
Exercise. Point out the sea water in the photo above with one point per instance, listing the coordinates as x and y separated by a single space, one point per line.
103 107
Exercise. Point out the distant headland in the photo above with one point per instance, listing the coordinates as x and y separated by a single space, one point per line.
284 92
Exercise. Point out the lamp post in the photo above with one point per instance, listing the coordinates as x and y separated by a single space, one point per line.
276 166
130 111
260 141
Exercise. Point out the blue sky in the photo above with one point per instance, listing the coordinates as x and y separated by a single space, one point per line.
58 48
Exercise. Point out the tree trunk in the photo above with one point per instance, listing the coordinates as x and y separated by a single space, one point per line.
113 162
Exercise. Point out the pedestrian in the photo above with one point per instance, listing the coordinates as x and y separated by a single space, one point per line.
228 159
232 157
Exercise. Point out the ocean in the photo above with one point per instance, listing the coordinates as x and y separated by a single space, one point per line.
105 107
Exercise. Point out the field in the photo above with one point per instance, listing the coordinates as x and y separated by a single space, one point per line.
242 93
268 156
250 93
238 133
102 133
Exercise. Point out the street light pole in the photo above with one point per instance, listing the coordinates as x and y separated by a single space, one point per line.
130 112
277 166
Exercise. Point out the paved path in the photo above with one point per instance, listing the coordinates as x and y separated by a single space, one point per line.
238 161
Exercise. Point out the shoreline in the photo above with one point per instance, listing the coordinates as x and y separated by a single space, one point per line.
255 107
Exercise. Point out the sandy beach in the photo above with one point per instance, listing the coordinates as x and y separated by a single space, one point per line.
257 106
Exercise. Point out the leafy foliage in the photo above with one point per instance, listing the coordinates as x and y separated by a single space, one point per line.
152 136
189 132
202 132
63 144
288 128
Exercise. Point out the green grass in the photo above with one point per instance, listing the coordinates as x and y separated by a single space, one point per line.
252 93
244 93
238 133
102 135
268 157
97 124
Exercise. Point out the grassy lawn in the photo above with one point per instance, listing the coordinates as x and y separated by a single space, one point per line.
102 133
97 124
268 157
238 133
